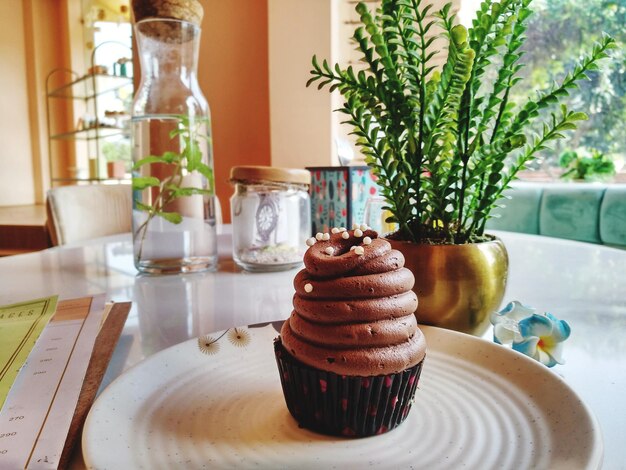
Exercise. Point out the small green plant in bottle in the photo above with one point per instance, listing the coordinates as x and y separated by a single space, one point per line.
172 187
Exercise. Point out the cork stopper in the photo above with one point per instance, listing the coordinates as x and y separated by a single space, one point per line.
185 10
168 21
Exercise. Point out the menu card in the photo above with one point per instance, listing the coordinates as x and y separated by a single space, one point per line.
20 326
40 408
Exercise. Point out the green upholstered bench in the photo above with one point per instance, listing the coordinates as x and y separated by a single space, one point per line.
518 211
588 212
613 216
572 213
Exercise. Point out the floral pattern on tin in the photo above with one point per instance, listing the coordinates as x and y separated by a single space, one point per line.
339 194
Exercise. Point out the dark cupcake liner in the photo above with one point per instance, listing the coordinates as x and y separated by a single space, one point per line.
342 405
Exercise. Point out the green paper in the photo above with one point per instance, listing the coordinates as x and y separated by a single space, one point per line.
20 326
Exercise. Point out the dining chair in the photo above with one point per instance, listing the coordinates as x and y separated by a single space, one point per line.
76 213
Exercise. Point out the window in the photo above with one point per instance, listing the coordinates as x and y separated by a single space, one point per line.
557 33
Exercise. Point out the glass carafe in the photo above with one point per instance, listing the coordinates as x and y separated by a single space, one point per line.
174 204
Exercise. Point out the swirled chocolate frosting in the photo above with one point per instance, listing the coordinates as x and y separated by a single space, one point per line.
353 308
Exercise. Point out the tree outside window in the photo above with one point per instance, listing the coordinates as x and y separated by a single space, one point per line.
557 32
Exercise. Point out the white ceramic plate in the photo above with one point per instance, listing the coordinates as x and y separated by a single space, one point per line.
479 405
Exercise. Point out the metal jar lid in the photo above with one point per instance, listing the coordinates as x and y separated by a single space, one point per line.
242 174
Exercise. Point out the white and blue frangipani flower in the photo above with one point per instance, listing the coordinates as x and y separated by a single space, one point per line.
539 336
505 322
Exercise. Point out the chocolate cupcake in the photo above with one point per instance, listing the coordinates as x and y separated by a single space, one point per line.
350 354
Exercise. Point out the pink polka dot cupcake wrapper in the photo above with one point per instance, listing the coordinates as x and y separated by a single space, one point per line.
345 405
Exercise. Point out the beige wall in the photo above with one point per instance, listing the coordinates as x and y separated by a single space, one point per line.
35 37
33 41
251 50
300 117
47 48
233 74
16 168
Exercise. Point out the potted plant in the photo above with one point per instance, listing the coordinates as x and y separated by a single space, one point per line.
446 143
581 165
117 154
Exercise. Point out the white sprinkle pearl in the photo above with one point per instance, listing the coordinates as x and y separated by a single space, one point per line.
359 250
345 235
308 288
311 241
335 230
319 235
326 237
367 240
352 248
342 229
355 225
329 250
364 227
358 232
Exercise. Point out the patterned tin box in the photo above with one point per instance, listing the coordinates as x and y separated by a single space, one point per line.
339 195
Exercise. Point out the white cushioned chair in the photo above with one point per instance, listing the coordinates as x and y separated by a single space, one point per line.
77 213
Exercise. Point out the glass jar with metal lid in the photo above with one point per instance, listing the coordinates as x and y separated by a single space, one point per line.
271 217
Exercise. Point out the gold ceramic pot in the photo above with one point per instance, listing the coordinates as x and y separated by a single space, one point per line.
458 286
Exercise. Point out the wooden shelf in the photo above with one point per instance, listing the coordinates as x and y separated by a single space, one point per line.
91 180
91 133
95 126
90 86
